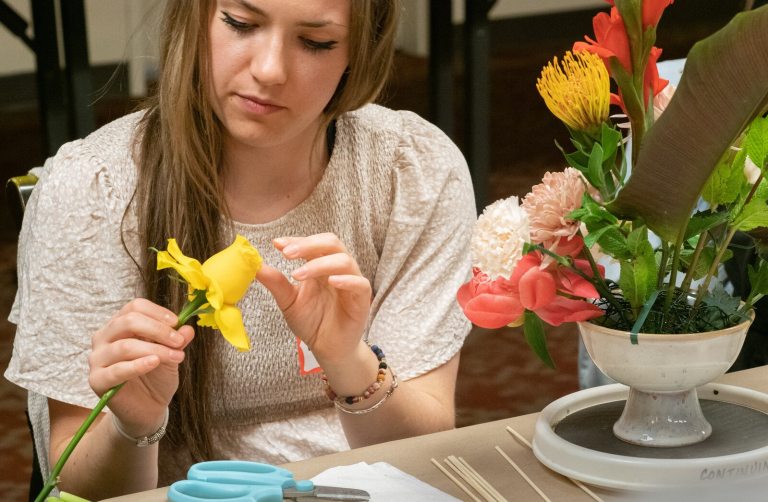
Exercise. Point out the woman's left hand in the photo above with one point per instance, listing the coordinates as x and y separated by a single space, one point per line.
328 308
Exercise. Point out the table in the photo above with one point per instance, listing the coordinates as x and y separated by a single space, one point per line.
476 444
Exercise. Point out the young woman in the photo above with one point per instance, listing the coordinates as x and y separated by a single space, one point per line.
260 126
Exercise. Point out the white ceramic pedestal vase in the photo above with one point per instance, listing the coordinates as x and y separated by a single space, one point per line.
662 372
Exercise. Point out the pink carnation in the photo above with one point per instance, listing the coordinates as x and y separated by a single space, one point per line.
548 205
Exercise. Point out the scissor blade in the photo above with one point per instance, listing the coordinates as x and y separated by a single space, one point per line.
328 493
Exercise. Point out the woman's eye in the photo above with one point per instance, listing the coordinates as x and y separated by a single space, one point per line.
315 46
238 26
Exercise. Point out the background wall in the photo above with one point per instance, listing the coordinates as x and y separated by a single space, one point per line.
124 31
118 31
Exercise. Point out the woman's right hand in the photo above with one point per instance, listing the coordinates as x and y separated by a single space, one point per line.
139 347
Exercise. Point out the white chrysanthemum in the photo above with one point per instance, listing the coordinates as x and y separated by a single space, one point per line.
499 236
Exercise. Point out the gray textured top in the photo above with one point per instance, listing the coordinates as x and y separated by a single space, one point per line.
396 191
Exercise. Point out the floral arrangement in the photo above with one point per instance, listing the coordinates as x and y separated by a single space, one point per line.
214 287
659 198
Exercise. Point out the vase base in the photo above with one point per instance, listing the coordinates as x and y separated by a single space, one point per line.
574 437
662 419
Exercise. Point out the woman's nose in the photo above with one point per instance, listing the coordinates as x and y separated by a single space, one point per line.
268 64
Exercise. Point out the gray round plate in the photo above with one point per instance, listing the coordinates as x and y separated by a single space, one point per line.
735 429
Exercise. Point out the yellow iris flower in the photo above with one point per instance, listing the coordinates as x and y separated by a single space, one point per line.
577 91
217 285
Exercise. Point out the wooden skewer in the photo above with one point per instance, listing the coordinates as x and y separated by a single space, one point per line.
493 491
456 481
524 476
467 476
576 482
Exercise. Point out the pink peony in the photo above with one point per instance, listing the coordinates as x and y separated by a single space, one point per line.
548 205
490 303
555 293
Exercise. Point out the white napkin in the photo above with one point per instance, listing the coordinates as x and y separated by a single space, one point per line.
383 481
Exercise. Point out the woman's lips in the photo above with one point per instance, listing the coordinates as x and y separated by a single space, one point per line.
258 106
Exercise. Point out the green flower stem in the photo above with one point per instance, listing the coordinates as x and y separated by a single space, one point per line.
724 246
677 250
190 309
53 479
597 281
713 268
703 238
662 265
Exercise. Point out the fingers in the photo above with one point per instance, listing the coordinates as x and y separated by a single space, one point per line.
143 319
355 292
278 285
138 339
335 264
310 247
102 379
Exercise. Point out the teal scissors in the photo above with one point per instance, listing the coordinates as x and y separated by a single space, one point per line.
239 481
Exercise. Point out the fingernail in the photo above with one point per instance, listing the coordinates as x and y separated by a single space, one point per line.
175 338
280 241
300 273
176 355
290 250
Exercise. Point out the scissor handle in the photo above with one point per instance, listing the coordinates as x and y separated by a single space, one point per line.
243 472
189 490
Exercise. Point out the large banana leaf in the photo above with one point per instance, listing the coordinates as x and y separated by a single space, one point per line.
723 88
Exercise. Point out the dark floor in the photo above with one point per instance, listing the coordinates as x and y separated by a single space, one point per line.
498 375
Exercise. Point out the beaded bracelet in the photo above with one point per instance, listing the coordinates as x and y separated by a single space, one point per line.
378 403
381 375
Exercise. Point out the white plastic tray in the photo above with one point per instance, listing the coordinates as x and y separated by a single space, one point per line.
629 472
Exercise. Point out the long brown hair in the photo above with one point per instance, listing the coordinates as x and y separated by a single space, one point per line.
179 192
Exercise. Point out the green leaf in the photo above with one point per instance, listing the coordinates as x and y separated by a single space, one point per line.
610 139
613 242
705 260
756 143
753 215
758 278
595 173
720 298
534 335
637 278
726 182
700 222
721 91
577 160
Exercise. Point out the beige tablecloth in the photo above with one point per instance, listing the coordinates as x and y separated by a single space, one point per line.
476 445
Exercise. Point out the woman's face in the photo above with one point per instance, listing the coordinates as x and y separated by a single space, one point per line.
275 65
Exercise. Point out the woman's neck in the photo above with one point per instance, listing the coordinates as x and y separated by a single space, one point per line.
263 184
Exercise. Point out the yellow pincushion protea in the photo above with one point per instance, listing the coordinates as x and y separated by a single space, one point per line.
216 286
577 90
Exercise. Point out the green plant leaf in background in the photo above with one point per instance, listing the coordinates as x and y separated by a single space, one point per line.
534 335
756 144
727 180
723 88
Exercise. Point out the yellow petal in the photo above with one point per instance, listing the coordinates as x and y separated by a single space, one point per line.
188 268
230 323
577 91
207 320
231 271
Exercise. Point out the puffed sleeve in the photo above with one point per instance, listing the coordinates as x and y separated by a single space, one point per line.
73 272
425 258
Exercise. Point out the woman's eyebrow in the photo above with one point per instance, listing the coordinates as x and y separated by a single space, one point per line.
308 24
